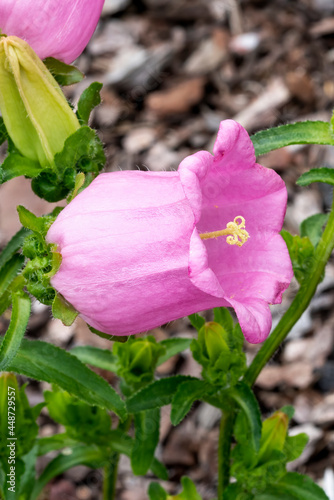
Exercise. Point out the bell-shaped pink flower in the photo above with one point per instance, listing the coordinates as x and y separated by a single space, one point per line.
53 28
133 257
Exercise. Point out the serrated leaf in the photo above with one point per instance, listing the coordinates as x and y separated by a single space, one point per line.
312 227
101 358
90 98
187 393
16 165
91 456
147 424
13 246
64 74
155 395
245 399
63 310
197 321
173 346
294 486
308 132
16 330
325 175
9 272
156 492
42 361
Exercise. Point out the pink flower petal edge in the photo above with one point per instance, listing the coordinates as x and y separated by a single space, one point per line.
53 28
133 258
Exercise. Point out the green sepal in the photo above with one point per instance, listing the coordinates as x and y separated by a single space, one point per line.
64 74
107 336
89 99
31 221
325 175
63 310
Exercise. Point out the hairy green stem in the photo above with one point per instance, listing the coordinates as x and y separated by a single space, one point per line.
298 305
224 450
111 469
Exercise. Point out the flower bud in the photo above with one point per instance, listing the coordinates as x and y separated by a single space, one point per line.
274 432
212 338
53 28
36 114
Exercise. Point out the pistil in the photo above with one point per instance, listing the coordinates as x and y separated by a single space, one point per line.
235 232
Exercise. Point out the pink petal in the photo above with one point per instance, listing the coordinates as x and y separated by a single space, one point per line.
53 28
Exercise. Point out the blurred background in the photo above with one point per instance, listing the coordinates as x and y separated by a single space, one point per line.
172 70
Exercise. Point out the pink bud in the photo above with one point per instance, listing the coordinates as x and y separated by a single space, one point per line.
53 28
133 256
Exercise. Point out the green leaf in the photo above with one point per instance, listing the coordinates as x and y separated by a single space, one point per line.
13 246
312 227
308 132
16 165
42 361
247 402
155 395
101 358
294 446
54 443
147 424
31 221
197 321
187 393
301 253
3 131
90 456
9 272
27 481
156 492
64 74
159 470
189 490
294 486
17 327
17 285
63 310
90 98
224 318
325 175
173 346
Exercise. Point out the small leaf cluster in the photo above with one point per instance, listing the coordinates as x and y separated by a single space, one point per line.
43 258
219 350
82 152
261 473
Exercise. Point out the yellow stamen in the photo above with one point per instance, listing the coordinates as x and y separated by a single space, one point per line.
237 235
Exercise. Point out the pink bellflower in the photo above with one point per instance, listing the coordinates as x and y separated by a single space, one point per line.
140 249
53 28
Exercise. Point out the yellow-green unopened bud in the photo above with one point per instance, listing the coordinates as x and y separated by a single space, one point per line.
274 432
36 114
214 340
